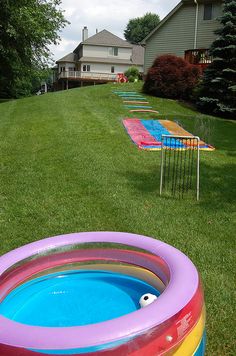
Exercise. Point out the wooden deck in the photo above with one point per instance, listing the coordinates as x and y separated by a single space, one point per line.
199 57
87 76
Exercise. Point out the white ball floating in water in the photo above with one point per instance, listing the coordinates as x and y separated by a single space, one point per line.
147 299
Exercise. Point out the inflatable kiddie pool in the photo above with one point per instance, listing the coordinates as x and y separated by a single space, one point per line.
79 294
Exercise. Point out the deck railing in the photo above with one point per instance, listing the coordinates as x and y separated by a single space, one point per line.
87 75
198 56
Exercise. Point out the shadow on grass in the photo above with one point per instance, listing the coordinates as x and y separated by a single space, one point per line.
5 100
188 105
217 185
146 182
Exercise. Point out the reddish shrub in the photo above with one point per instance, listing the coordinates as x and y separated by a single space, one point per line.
171 77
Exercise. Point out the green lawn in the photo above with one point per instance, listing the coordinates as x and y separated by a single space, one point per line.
67 165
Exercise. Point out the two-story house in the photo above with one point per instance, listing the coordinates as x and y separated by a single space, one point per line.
187 31
98 59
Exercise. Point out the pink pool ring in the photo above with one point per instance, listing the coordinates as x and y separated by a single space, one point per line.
158 329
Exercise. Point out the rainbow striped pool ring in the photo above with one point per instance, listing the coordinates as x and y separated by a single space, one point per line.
173 324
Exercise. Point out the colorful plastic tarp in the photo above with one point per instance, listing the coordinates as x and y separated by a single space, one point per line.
146 134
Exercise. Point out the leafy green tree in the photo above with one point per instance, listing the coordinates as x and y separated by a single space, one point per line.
217 93
137 29
27 29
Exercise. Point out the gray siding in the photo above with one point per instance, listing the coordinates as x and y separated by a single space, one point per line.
176 35
205 33
173 36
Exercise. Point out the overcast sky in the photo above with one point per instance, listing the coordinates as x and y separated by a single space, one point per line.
112 15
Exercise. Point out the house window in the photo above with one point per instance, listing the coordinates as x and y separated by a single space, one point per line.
112 69
71 69
208 13
86 68
113 51
63 69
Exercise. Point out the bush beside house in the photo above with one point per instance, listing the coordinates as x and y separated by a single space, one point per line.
132 74
171 77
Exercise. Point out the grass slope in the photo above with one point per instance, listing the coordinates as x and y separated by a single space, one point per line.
68 165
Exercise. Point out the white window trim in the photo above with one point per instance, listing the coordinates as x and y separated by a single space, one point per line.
111 51
87 67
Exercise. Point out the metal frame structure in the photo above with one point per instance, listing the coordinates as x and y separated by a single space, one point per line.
183 148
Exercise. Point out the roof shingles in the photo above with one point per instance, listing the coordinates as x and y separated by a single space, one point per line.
71 57
106 38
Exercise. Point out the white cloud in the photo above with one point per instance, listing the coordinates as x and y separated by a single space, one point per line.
103 14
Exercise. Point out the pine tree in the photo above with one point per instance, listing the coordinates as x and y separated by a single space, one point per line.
217 94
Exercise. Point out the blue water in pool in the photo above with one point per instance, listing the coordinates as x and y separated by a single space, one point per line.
73 298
